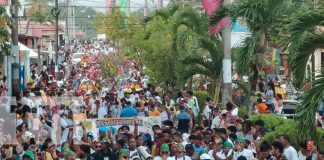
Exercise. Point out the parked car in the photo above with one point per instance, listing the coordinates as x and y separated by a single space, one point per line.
289 108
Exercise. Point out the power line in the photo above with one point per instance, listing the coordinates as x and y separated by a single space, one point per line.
83 27
63 6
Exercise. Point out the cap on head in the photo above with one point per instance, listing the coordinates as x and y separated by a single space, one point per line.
227 144
123 151
240 139
164 146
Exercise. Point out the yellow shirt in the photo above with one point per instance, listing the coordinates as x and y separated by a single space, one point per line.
154 113
281 91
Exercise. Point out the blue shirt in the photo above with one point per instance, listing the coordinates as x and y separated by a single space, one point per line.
270 94
128 112
183 115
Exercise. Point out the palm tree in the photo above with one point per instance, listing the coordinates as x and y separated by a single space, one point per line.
305 37
261 17
170 58
203 52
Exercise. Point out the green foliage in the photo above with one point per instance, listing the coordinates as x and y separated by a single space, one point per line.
243 111
303 40
39 12
4 34
41 17
279 125
201 97
305 112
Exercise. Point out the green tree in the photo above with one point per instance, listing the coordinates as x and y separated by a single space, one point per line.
4 34
203 52
39 12
157 47
261 17
305 37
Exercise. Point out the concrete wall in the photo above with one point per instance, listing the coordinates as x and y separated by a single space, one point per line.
318 60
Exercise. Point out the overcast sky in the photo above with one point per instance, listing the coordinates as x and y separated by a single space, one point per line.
99 5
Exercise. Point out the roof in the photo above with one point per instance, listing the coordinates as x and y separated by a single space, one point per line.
34 29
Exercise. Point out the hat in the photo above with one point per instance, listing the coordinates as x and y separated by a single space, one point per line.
164 146
240 139
227 144
70 153
205 156
65 148
123 151
202 151
224 111
103 129
29 154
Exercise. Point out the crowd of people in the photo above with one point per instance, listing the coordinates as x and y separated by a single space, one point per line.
47 112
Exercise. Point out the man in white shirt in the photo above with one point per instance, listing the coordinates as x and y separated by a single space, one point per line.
239 145
102 111
289 152
208 108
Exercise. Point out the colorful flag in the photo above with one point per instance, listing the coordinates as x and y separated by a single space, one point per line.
211 6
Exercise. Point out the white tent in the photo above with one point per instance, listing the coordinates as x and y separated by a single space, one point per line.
32 54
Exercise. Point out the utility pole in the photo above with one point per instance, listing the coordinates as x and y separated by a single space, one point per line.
14 69
67 23
55 13
145 8
227 62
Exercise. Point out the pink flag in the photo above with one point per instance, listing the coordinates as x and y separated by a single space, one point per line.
211 6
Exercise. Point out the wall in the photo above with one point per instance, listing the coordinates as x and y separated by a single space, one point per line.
239 33
318 61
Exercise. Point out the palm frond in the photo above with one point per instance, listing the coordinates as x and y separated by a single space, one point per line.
222 13
192 70
300 53
244 86
189 18
305 23
246 52
305 112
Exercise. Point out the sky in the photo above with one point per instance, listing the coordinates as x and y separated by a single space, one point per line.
99 5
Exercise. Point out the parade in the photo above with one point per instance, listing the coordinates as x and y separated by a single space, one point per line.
202 80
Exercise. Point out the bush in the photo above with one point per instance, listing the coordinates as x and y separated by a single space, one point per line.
278 125
242 111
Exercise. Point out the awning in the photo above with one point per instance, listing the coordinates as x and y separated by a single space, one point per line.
32 54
